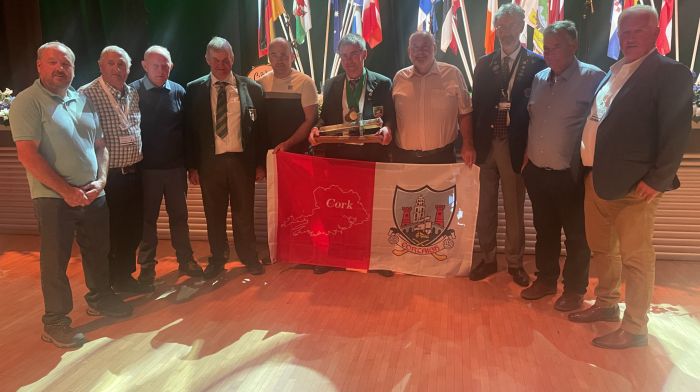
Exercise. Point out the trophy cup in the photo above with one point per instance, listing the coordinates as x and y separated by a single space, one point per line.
354 132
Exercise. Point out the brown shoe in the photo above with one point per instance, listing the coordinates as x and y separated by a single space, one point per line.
520 277
538 289
620 339
596 313
568 302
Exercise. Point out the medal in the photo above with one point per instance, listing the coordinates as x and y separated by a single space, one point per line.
352 116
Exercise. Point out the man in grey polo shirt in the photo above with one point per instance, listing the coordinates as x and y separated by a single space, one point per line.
59 142
559 103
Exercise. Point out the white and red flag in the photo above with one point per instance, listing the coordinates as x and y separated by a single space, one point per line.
663 41
415 219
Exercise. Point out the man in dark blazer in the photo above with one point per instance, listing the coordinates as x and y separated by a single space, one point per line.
502 82
225 153
357 94
632 144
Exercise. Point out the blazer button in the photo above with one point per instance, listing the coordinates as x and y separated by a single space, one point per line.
492 126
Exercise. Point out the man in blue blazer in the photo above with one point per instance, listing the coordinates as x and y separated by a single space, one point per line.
632 145
225 153
502 82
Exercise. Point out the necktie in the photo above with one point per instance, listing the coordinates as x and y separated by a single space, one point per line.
500 129
221 119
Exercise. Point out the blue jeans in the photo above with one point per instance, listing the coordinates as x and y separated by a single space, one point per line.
59 224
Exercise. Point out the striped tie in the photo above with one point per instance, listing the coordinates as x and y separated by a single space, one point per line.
221 121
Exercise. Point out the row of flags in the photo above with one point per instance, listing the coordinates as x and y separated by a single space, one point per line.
363 17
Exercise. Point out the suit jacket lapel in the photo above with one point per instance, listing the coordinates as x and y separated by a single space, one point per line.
207 109
371 85
642 73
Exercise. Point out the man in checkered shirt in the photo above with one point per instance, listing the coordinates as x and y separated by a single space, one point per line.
117 106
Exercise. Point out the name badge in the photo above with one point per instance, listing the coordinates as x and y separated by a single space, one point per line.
130 139
595 118
378 111
504 106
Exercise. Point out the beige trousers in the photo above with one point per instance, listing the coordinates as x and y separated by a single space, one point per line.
619 233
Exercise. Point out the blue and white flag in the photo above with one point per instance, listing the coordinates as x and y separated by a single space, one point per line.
614 41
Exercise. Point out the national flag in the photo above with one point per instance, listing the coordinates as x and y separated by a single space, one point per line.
530 8
448 33
663 41
356 26
613 39
490 34
415 219
371 23
425 8
302 14
336 24
629 3
540 23
556 11
268 12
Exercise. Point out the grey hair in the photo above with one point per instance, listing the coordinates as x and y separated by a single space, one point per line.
649 11
56 44
510 9
161 50
353 39
218 43
565 26
119 51
424 34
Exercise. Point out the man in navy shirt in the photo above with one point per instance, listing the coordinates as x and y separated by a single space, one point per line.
164 174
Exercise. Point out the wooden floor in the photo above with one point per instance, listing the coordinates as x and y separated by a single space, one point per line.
291 330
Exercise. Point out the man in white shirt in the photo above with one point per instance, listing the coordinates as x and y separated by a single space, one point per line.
225 153
632 145
431 101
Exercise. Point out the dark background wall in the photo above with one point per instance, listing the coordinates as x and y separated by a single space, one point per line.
185 26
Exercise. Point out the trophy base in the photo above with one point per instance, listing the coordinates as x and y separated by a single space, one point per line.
349 139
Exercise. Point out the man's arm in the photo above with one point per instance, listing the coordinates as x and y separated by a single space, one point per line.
28 154
466 129
302 132
94 188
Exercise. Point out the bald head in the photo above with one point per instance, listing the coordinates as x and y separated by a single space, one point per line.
281 57
421 51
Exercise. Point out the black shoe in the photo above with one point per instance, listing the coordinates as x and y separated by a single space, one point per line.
620 339
267 260
538 290
111 306
62 336
596 313
520 277
321 269
255 268
568 302
384 273
213 270
131 285
483 270
190 268
147 276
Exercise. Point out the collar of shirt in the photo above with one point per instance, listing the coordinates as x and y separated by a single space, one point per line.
117 94
433 70
150 86
621 64
512 56
71 94
229 79
566 75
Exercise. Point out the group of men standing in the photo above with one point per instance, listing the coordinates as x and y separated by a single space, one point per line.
523 125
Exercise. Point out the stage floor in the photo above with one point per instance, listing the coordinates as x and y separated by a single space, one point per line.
291 330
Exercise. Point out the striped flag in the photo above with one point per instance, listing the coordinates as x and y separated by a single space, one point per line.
663 41
302 14
530 8
556 11
490 34
449 28
613 40
415 219
371 23
425 8
336 24
268 12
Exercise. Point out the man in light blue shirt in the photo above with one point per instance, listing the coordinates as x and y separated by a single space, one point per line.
59 142
560 101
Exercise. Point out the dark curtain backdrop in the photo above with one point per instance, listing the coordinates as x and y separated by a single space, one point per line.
185 26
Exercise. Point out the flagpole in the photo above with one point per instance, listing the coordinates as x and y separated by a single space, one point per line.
347 25
467 32
675 15
334 67
464 58
311 55
695 48
325 48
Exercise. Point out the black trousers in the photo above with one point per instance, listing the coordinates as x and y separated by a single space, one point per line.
557 202
59 224
125 201
171 184
229 181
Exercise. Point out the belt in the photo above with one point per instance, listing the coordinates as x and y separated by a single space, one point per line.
429 153
545 168
130 169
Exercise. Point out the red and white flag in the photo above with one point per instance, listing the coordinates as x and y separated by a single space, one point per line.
490 35
556 11
663 41
449 30
415 219
371 23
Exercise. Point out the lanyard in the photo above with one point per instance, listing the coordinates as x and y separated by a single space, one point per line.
505 83
353 94
123 116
